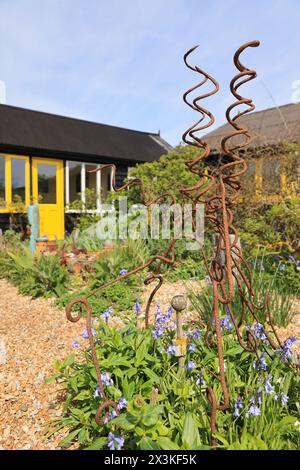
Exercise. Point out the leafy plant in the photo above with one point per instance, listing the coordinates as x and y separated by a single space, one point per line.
36 275
162 408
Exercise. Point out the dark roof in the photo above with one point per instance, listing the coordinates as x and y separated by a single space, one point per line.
38 133
268 127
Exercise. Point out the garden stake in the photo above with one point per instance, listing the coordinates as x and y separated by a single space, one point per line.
218 189
179 303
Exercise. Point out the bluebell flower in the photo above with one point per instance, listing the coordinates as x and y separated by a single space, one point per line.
197 334
282 267
106 379
200 380
136 307
191 348
254 410
115 442
85 335
97 393
162 322
123 272
238 406
122 403
171 349
259 332
107 313
269 388
157 333
75 344
286 352
191 365
260 364
226 323
284 399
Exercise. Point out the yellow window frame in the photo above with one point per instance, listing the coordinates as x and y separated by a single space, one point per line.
8 180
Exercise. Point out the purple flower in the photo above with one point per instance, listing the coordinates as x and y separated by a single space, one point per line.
171 349
200 380
226 323
75 344
123 272
157 333
97 393
107 313
162 322
254 410
260 363
191 348
85 335
122 403
284 399
258 330
136 307
285 352
106 379
191 365
282 267
237 407
114 442
197 334
269 388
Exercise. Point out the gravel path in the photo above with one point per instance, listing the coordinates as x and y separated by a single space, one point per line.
32 334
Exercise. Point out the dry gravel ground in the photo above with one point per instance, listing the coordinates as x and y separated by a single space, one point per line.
32 334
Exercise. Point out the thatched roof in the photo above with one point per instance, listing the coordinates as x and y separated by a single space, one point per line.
268 127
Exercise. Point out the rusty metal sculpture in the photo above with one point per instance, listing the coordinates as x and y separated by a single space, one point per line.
218 189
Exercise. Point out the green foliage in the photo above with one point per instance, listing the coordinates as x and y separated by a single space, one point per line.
166 175
280 299
35 275
168 410
269 227
121 295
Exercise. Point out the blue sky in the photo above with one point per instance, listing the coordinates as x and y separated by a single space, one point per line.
120 62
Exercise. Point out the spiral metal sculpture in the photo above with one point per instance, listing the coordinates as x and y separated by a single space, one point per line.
218 190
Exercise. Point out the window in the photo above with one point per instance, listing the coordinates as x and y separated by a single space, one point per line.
89 188
2 182
47 183
14 182
18 179
271 176
74 181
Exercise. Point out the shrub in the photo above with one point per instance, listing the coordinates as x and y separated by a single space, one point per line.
35 275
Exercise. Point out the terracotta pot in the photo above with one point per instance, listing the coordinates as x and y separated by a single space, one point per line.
46 246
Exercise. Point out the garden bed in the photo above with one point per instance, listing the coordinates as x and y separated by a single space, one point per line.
34 333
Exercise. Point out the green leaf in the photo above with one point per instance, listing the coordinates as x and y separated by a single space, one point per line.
141 353
70 359
166 444
83 395
69 438
190 433
147 444
98 444
126 421
152 375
